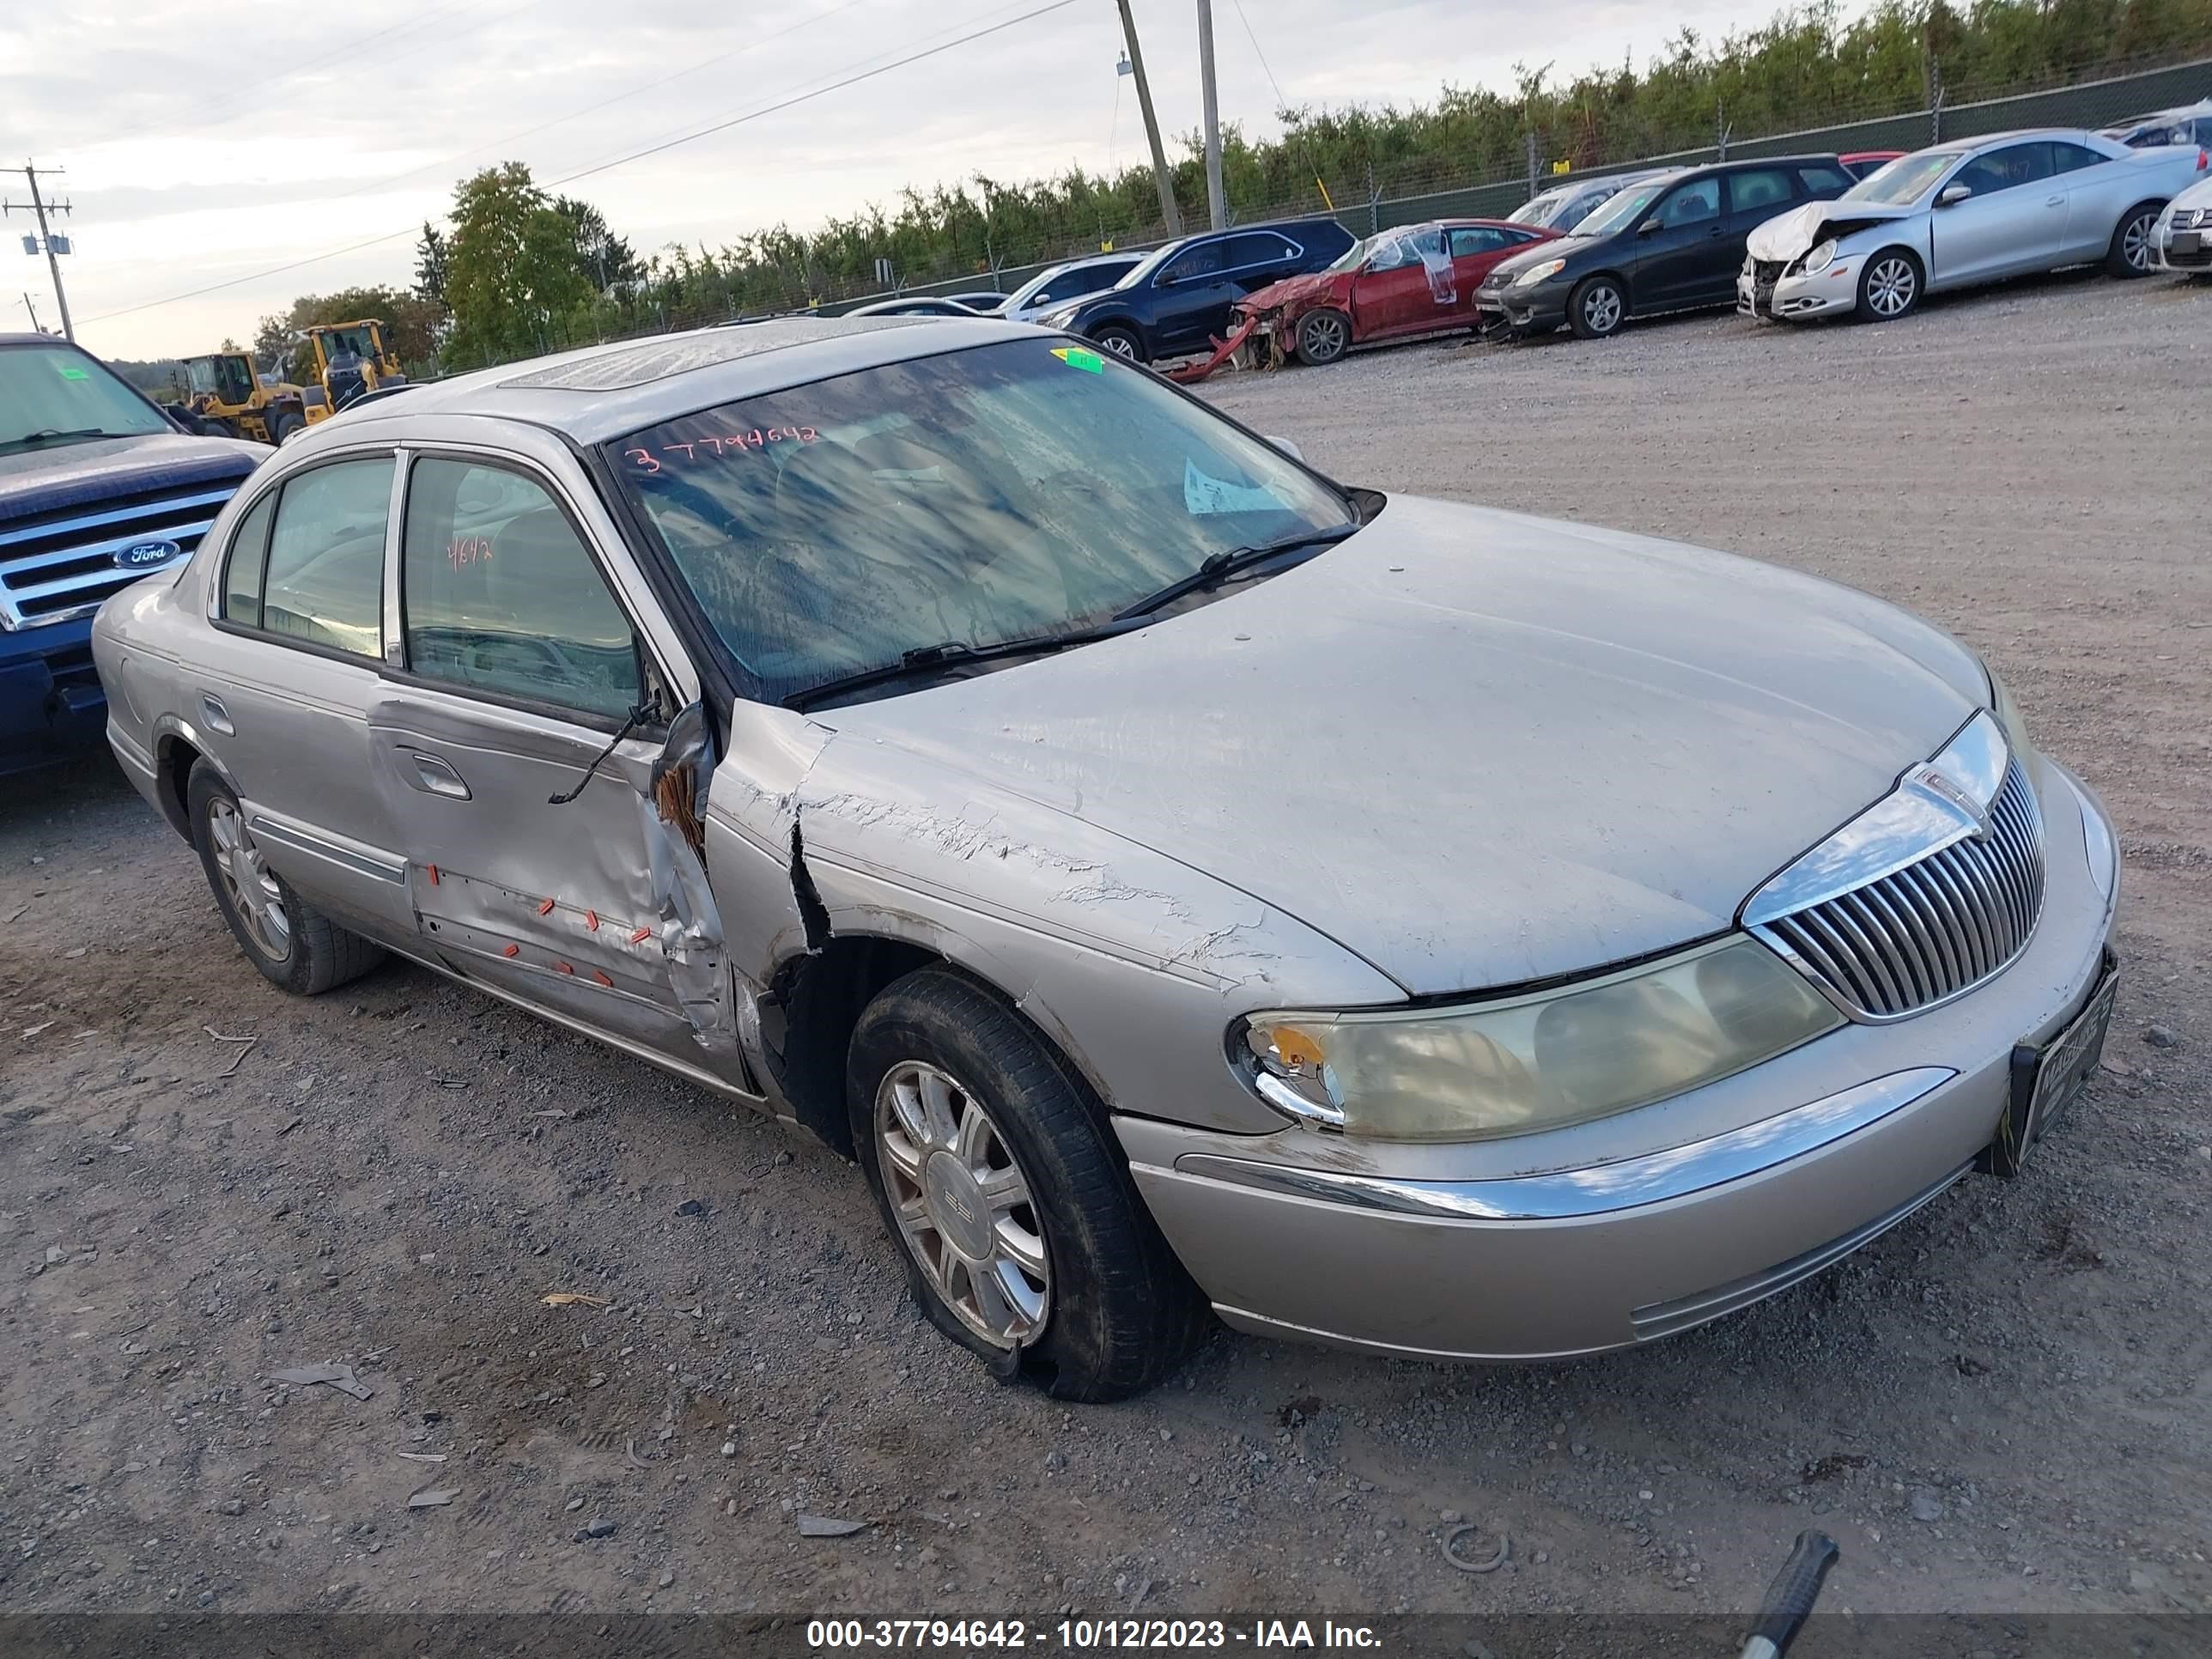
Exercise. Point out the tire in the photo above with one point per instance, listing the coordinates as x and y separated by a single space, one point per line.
283 424
1122 342
293 945
1890 286
1324 336
1111 1313
1596 310
2130 252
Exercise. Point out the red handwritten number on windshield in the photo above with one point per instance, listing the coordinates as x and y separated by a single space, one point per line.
710 447
643 458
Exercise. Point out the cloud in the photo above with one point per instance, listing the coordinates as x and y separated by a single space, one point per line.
204 146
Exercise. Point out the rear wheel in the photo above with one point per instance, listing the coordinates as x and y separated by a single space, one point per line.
293 943
1596 310
1889 287
282 424
1121 342
2129 253
1023 1236
1323 336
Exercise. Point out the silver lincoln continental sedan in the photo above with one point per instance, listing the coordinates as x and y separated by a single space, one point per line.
1177 879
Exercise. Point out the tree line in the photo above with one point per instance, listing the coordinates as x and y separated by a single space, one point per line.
517 270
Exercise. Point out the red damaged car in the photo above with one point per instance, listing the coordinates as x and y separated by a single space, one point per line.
1408 281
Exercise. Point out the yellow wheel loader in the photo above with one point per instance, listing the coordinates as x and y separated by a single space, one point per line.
351 360
230 396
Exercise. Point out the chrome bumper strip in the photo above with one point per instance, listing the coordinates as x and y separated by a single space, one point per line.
1625 1185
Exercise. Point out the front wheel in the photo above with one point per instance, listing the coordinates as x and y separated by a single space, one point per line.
1323 336
1023 1236
1596 310
293 943
2130 254
1121 342
1889 287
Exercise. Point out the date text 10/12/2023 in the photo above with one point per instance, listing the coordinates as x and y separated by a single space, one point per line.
1084 1635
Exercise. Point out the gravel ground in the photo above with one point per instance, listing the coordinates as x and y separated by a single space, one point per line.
2001 1405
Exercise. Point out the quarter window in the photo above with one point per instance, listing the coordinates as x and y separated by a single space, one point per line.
325 581
499 594
249 557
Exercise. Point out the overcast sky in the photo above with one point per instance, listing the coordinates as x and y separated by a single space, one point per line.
204 143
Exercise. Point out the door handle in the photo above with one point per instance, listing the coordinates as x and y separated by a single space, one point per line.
216 716
433 776
2054 201
1714 232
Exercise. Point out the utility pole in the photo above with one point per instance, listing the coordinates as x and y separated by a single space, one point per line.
1216 209
33 310
46 239
1161 176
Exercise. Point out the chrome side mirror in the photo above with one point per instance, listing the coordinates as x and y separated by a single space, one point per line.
1287 447
1953 194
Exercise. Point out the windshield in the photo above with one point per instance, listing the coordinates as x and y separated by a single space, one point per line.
1905 181
1621 208
1538 209
1005 492
57 394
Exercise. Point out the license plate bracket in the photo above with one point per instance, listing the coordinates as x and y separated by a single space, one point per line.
2188 241
2046 1078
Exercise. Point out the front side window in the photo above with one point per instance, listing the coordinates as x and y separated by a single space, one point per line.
1005 492
1205 259
54 395
2006 169
323 581
498 594
1692 205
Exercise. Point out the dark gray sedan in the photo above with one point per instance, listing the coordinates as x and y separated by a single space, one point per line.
1179 880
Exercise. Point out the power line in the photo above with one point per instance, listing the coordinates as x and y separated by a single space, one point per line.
1281 102
603 167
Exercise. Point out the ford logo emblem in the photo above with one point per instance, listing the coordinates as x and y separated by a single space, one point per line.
144 555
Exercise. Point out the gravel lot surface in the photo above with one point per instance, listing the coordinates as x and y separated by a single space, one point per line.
2005 1404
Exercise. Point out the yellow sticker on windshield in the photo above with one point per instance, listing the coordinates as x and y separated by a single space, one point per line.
1076 357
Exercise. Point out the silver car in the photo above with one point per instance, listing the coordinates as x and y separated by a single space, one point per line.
2181 240
1957 214
1064 285
1178 879
1564 206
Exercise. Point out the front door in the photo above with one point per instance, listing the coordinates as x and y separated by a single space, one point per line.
1192 298
2014 221
1409 284
525 816
1679 244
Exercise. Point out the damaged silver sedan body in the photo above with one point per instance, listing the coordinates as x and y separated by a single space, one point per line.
1178 880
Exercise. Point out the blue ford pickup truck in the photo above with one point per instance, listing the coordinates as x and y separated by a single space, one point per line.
98 489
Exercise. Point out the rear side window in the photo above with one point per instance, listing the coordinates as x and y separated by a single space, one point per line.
1763 187
249 557
1480 239
499 594
1824 181
1259 248
325 581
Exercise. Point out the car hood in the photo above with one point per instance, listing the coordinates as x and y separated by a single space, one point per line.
1474 748
52 480
1314 286
1786 235
1558 247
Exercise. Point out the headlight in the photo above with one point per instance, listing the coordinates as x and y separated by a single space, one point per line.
1541 1061
1060 318
1542 273
1821 257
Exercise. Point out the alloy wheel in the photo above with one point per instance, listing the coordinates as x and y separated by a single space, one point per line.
1891 288
1120 345
1602 309
1324 337
2135 241
248 882
963 1203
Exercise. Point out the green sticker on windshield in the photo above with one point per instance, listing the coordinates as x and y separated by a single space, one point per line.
1076 357
71 373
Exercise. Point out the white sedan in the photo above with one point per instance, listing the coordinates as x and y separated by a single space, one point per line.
1957 214
2182 239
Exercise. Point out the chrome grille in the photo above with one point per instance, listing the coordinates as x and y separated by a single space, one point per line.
1938 927
2190 218
61 565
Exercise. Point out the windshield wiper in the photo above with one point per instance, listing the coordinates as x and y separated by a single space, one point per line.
1217 568
924 660
52 434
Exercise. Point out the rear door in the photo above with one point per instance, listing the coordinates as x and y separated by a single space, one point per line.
509 748
1474 250
282 704
1678 246
1754 196
2014 221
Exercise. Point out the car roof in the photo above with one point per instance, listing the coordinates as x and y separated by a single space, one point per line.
600 393
40 339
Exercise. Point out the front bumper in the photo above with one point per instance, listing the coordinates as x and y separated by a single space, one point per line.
1500 312
1290 1237
50 703
2188 252
1831 293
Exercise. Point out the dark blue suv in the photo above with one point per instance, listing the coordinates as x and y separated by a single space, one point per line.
1181 298
97 488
